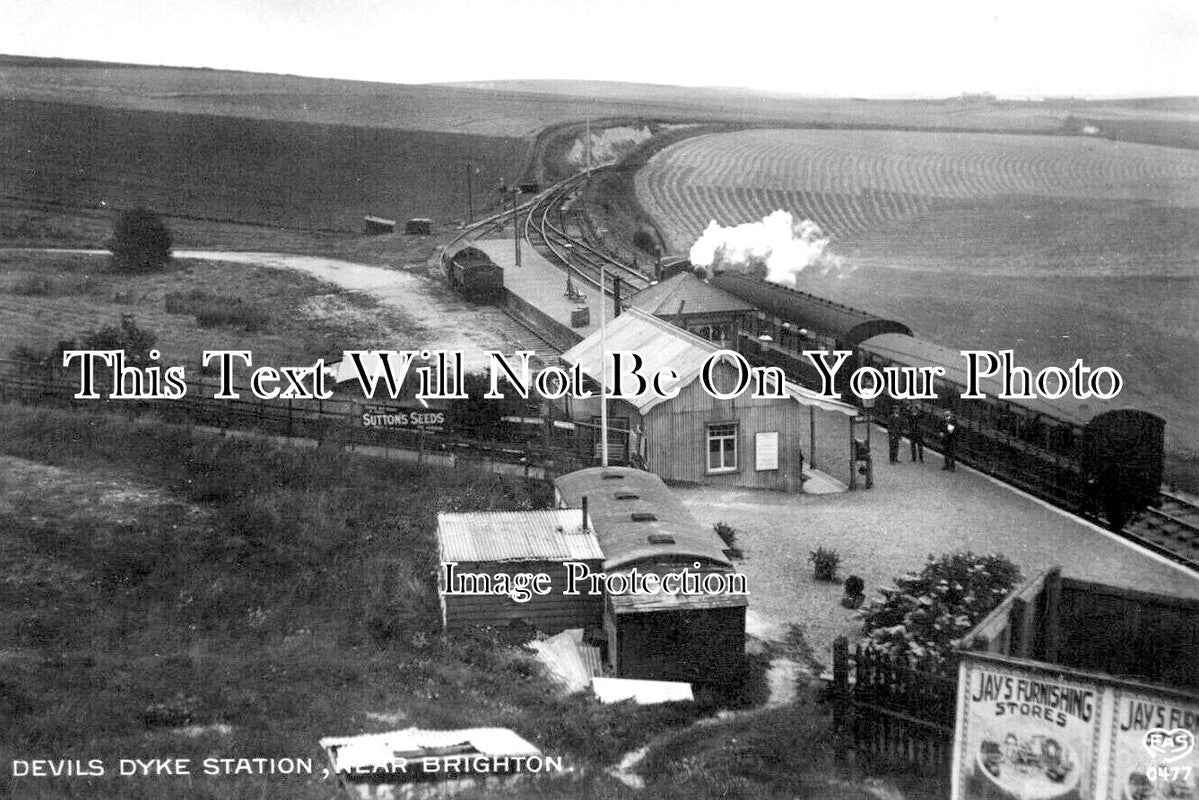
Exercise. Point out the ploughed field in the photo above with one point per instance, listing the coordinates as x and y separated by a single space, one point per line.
1058 247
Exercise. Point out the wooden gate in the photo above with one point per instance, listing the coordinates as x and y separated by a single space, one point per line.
895 711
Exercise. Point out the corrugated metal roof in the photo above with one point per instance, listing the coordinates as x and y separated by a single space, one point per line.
661 346
547 535
908 350
624 541
697 296
376 750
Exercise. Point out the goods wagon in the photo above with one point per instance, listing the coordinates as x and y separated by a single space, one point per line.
473 274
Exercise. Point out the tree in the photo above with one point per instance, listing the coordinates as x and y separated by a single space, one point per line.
928 612
140 242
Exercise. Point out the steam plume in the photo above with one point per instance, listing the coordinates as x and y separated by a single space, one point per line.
777 248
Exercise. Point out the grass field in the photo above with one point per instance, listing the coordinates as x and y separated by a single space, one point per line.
522 108
319 177
1057 247
45 297
265 597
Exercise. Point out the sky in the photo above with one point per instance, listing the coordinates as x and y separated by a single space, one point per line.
844 48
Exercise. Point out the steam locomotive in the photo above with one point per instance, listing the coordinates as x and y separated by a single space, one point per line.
1089 459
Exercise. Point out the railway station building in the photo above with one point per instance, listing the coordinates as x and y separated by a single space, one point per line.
696 306
695 437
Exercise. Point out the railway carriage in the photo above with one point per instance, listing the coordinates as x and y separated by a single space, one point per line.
1075 452
658 635
793 321
473 274
1082 455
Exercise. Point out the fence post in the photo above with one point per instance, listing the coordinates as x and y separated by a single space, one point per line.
840 692
1053 609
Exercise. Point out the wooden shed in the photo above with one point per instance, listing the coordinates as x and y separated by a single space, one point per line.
418 226
695 437
378 225
660 635
499 544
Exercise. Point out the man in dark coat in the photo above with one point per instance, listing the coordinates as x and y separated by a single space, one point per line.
915 434
894 433
949 440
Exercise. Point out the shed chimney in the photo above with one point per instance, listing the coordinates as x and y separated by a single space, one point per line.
584 512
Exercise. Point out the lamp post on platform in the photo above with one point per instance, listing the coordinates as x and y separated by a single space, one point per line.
603 370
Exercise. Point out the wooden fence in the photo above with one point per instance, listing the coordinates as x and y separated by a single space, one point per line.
895 711
552 446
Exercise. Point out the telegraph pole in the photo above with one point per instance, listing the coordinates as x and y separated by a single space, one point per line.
516 223
470 194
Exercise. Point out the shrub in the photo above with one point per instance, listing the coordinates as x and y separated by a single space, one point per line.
211 310
854 587
35 286
825 560
728 535
927 612
136 342
140 242
644 240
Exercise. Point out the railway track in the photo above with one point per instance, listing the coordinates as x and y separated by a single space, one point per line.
1171 528
546 229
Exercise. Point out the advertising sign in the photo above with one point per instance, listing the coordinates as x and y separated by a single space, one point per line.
374 416
1153 749
1031 731
1028 736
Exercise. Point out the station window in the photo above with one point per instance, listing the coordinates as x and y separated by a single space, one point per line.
722 447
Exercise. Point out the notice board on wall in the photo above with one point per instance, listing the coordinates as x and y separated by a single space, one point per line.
766 450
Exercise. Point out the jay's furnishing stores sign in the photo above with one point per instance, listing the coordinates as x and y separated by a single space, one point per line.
1033 731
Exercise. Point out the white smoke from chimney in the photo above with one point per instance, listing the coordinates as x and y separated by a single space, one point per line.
777 248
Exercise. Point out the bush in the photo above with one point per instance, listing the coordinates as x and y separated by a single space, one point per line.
136 342
825 561
927 612
644 240
140 242
854 588
212 310
728 535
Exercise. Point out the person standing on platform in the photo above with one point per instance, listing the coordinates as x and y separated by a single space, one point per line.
915 434
894 432
949 440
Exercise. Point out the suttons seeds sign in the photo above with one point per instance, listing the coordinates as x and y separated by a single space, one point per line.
373 416
1030 731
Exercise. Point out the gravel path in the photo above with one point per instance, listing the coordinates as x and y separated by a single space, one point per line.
914 510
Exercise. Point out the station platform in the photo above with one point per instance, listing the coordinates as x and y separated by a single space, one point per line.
542 285
913 510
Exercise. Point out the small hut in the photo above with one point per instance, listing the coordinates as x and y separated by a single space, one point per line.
489 551
375 226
